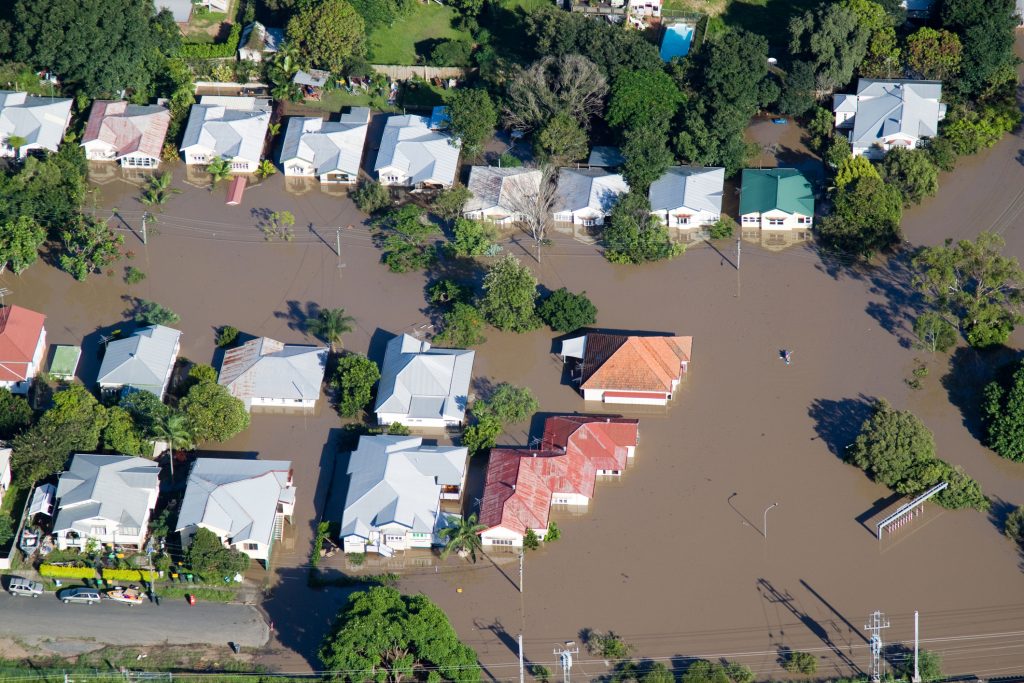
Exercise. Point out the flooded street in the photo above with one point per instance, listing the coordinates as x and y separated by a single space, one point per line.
674 557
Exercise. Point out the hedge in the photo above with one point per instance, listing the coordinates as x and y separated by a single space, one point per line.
57 572
126 575
213 50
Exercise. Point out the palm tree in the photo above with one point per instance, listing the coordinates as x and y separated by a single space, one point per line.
16 142
174 428
329 325
159 190
463 537
265 169
219 169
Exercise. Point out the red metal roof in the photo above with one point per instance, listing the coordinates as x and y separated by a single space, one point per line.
20 330
604 441
515 497
235 191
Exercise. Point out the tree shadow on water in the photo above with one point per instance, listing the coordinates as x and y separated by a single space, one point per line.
838 422
899 304
970 370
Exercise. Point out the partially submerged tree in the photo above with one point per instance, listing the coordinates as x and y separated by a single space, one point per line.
462 537
353 382
330 324
510 295
532 197
633 235
564 311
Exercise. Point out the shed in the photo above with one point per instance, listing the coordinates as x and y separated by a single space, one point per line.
65 361
235 191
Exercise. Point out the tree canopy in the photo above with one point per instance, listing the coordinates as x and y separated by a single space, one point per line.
391 636
213 413
1003 411
15 414
633 235
327 34
986 31
642 96
210 559
472 118
564 311
833 39
913 172
510 296
934 54
865 217
508 404
353 382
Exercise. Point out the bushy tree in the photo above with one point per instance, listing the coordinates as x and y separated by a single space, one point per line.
510 295
972 282
327 33
449 292
851 168
15 414
370 196
801 662
20 240
213 413
151 313
986 31
641 97
508 403
353 382
399 636
89 246
472 118
572 85
1013 527
564 311
934 332
146 411
451 53
562 139
208 557
481 435
73 423
380 13
934 54
647 155
865 218
833 39
121 435
942 153
471 238
912 171
798 94
970 130
461 327
449 203
633 235
1003 411
403 239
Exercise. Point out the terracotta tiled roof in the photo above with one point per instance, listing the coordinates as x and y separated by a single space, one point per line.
515 497
634 363
604 441
20 330
128 128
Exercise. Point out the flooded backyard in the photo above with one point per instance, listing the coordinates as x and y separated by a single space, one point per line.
675 557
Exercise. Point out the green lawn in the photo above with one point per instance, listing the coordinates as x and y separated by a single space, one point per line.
424 25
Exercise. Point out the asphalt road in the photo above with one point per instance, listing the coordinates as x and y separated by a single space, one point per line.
36 620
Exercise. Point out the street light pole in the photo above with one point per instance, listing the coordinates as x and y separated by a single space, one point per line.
765 526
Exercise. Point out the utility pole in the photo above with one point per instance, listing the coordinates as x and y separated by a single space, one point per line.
565 654
522 673
917 673
876 622
738 250
521 562
337 245
145 215
765 526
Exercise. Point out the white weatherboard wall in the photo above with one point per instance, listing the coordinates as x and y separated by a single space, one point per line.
501 537
776 220
655 399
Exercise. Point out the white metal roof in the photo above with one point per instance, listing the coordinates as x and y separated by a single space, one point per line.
690 187
582 188
112 487
141 361
426 156
423 382
228 127
40 120
267 368
330 146
494 188
885 108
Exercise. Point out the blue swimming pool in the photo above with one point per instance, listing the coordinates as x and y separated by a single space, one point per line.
676 42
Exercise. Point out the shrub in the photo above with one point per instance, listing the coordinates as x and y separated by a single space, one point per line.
355 559
723 228
151 313
226 335
353 382
451 53
370 196
1014 526
553 533
125 575
608 645
55 572
213 50
564 311
133 275
509 160
531 541
508 404
801 662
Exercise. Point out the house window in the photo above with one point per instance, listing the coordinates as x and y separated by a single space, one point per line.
239 165
418 534
589 222
501 541
393 539
803 220
776 221
682 220
750 219
250 546
99 531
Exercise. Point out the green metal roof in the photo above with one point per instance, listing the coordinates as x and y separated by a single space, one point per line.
65 361
767 189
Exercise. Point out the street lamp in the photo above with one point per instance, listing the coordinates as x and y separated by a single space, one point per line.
765 526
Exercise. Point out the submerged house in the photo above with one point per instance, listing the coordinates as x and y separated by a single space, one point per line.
614 368
266 372
329 150
423 386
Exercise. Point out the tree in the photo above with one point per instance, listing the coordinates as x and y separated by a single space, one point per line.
444 292
971 130
265 169
370 196
226 336
798 94
89 246
974 284
158 190
865 218
608 645
353 382
639 97
821 127
483 434
208 557
201 372
73 423
801 662
564 311
219 169
1003 415
380 13
151 313
912 171
146 411
508 403
941 152
213 413
986 32
532 197
647 155
893 444
329 325
934 332
448 204
461 327
633 235
402 238
852 168
15 414
837 152
20 240
571 85
562 140
118 44
451 53
510 295
393 636
833 39
6 529
76 412
739 673
531 541
327 33
122 436
934 54
175 429
472 118
463 537
703 671
1013 527
472 238
883 54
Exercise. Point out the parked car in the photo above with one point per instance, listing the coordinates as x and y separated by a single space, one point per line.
20 586
80 594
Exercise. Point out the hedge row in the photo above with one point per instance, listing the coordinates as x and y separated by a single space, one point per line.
57 572
213 50
125 575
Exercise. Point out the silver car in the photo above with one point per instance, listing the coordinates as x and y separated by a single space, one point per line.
81 594
20 586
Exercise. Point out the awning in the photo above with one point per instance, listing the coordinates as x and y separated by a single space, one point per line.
42 500
574 348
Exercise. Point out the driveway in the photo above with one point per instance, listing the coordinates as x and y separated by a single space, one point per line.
37 620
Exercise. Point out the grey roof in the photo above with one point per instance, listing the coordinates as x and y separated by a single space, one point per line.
141 361
114 487
329 146
579 188
491 186
424 382
606 157
268 39
40 120
886 108
422 154
316 78
236 497
181 10
395 480
267 368
690 187
229 126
